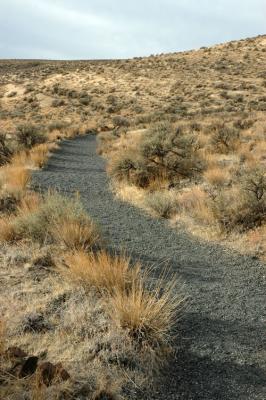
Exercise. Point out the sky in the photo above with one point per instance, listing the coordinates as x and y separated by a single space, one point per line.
100 29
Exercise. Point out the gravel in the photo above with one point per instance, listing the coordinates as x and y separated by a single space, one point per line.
221 348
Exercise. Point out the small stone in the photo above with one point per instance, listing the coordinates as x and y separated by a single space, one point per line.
48 373
104 395
28 367
15 353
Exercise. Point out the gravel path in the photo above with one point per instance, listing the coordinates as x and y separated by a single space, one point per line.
222 350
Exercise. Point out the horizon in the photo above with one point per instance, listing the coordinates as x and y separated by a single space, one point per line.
130 58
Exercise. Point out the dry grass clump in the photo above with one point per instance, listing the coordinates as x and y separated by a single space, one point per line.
54 218
6 150
14 179
217 176
39 154
7 232
2 336
29 203
100 270
149 315
196 203
76 233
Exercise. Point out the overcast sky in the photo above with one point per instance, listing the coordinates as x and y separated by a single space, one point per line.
86 29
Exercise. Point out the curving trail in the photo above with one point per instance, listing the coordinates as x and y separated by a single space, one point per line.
222 351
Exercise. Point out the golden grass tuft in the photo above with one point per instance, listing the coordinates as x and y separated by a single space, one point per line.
20 159
148 314
7 232
29 203
217 176
195 202
15 178
101 270
39 154
75 233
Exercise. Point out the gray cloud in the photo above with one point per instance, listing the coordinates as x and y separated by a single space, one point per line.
81 29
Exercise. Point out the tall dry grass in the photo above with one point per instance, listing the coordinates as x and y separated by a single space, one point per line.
149 315
217 176
146 309
76 233
7 232
100 270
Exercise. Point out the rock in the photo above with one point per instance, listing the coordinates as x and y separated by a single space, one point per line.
46 373
28 367
49 373
104 395
15 353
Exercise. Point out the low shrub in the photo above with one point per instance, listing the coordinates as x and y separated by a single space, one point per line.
161 203
225 138
127 166
120 121
244 206
30 135
58 103
172 151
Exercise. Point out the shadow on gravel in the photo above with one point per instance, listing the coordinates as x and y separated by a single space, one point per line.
201 378
202 370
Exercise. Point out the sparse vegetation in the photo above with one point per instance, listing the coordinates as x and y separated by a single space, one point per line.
184 138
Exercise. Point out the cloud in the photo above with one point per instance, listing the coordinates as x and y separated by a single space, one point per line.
81 29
